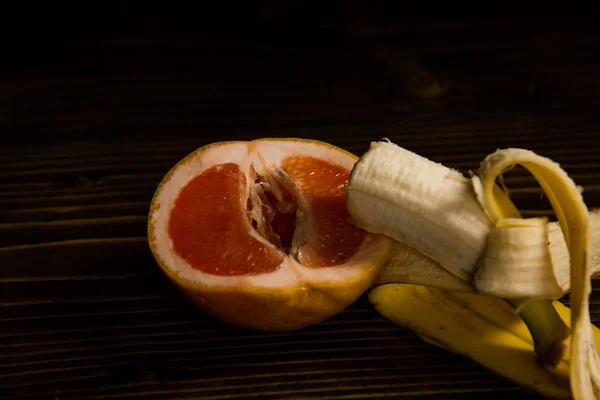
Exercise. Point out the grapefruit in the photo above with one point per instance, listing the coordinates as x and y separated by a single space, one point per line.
257 233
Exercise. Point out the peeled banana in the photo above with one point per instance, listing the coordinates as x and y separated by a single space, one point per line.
420 203
407 265
466 235
517 252
435 210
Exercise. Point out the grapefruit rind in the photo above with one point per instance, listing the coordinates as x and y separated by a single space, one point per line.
293 296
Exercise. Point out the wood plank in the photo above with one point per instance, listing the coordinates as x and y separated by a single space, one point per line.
106 210
23 233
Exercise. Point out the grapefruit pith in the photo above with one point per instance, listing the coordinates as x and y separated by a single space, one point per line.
257 233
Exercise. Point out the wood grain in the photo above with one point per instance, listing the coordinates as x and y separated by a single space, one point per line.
90 125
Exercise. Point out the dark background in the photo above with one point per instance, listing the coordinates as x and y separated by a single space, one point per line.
130 71
98 104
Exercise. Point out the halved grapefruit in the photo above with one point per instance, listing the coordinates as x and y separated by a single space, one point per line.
257 233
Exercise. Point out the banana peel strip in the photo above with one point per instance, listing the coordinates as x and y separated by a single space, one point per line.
464 323
440 319
572 213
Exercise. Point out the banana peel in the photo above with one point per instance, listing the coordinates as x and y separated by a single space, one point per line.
495 310
433 314
484 328
574 218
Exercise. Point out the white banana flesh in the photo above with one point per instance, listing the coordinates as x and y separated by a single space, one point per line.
407 265
517 252
420 203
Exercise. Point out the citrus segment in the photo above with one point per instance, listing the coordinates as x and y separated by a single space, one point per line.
206 222
330 238
257 233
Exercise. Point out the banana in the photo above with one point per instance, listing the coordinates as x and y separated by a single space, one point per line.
518 252
573 216
434 315
407 265
435 210
420 203
466 235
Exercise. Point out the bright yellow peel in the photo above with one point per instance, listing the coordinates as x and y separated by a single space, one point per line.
567 202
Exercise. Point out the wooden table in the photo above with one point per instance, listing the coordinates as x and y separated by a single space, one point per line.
92 117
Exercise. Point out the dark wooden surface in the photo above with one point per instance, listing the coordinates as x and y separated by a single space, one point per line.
94 112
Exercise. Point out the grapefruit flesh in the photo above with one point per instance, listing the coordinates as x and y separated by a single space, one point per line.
207 221
332 239
258 235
